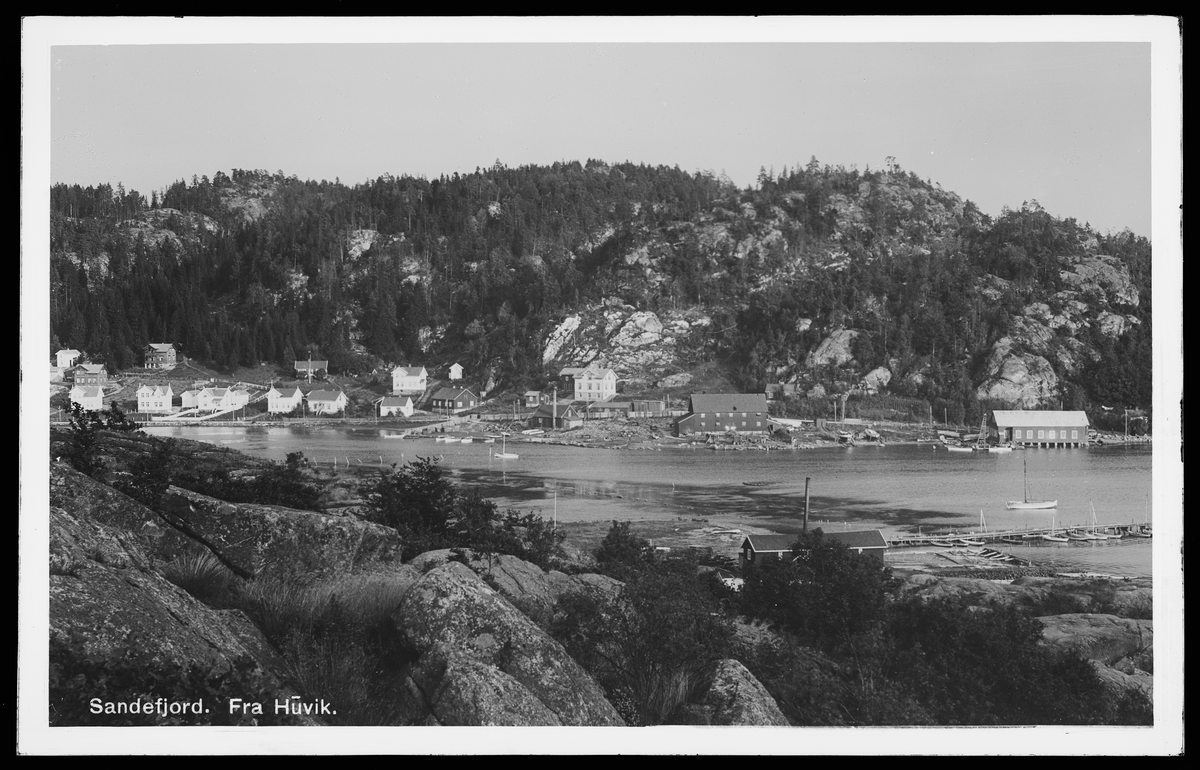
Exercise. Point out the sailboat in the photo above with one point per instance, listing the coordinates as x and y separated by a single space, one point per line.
503 454
1027 504
1053 537
1095 526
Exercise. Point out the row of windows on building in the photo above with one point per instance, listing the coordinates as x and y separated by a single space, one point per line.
1048 435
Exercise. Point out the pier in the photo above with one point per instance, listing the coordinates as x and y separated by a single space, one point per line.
998 536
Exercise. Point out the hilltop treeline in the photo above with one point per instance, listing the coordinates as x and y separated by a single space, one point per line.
256 267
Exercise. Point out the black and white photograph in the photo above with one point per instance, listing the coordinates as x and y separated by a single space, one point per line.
738 385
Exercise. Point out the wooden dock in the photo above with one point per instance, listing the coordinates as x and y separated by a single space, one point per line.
998 536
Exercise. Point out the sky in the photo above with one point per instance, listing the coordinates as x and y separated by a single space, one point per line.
1082 114
1065 123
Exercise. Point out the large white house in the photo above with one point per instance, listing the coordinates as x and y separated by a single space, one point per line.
283 400
89 397
595 384
155 399
326 401
409 379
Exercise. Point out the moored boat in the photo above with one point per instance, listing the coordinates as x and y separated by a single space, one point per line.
1027 504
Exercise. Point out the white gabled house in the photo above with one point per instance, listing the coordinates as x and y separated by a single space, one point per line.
89 397
190 398
67 357
326 402
283 400
155 399
393 405
595 384
409 379
456 371
221 399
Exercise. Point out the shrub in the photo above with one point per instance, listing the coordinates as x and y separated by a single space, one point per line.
338 640
204 577
653 645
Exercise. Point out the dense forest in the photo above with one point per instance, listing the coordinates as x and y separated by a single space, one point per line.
481 267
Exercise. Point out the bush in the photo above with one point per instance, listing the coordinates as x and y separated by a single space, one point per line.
338 640
824 594
204 577
652 646
622 553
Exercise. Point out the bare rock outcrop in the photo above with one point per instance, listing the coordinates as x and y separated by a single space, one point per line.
459 689
259 537
1105 638
735 697
253 536
105 595
1021 379
452 607
833 350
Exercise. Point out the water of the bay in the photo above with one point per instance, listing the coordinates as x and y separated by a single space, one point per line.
899 488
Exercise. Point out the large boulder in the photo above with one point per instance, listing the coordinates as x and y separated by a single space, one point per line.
833 350
735 697
458 689
277 539
452 606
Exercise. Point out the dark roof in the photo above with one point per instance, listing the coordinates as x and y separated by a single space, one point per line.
770 543
867 538
564 411
729 402
452 394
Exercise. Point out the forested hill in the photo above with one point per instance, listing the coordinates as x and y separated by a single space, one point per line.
816 276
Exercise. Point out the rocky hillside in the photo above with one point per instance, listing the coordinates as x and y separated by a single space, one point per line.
820 276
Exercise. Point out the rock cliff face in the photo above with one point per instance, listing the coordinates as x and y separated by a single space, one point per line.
256 537
642 347
473 636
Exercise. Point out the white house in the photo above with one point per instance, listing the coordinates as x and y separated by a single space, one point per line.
90 397
155 399
221 399
283 400
456 371
393 405
409 379
595 384
67 358
310 369
326 401
190 399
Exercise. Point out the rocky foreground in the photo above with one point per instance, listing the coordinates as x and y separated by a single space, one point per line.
475 646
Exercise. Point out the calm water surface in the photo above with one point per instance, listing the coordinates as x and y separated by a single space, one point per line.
901 488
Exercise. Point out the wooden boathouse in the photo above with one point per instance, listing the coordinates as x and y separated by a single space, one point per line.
1036 428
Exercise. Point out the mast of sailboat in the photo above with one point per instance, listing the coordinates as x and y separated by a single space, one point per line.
1025 474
